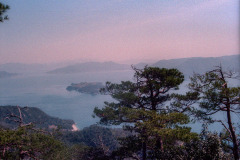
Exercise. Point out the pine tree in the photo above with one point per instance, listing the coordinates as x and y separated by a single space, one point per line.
140 106
213 93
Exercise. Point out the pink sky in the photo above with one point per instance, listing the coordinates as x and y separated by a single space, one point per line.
118 30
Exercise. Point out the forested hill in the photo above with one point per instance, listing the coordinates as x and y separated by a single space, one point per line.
34 115
200 64
90 67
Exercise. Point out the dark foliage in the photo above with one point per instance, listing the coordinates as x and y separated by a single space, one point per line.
3 10
141 108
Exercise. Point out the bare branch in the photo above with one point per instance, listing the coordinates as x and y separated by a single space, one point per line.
224 126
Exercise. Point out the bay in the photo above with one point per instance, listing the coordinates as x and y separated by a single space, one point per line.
48 92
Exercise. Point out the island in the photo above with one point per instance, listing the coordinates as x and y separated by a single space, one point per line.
86 87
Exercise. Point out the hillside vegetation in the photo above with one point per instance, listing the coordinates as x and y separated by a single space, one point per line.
34 115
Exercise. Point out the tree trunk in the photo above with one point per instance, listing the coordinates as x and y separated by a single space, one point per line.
229 120
159 144
233 135
144 150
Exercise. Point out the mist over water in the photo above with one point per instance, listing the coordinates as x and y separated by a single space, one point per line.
48 92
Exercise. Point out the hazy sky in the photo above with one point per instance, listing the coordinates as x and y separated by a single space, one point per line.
43 31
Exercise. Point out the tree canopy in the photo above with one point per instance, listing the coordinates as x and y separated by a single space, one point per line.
140 107
214 94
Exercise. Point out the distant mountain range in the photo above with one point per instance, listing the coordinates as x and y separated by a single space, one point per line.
198 64
29 68
90 67
185 65
4 74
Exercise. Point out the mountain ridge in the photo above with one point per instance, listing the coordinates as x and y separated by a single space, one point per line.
90 67
199 64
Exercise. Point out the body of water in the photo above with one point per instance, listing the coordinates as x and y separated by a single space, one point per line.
48 92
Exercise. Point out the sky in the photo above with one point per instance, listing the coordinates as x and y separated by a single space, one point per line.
47 31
